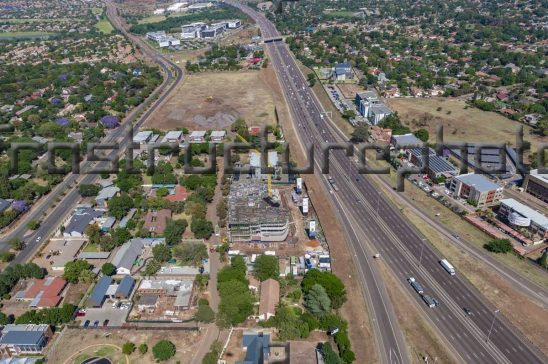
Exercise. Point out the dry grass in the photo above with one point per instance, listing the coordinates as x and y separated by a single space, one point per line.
77 339
460 124
213 100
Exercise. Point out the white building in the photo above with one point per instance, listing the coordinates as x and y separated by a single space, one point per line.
233 23
173 136
217 136
522 216
197 136
142 137
378 112
192 30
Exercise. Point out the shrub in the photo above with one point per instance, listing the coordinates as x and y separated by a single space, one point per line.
499 246
128 348
163 350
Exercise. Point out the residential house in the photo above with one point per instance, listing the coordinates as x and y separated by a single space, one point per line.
125 287
177 194
80 220
257 347
476 188
99 293
197 136
127 255
173 136
217 136
155 221
269 298
26 339
44 293
142 137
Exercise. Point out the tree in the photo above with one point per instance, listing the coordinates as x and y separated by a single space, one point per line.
329 355
360 133
33 224
118 206
265 267
152 267
6 256
143 348
5 319
74 270
422 134
128 348
161 253
543 260
205 314
201 228
163 350
499 246
333 285
93 232
108 269
16 244
88 190
317 301
213 354
190 253
120 236
174 230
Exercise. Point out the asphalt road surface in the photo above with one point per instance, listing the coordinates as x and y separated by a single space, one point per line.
368 214
119 136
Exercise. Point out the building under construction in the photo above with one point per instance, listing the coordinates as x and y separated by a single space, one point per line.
255 213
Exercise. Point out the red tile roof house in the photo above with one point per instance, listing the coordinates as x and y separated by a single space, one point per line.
45 292
180 194
155 221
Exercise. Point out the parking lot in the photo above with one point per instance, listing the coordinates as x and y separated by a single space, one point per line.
115 316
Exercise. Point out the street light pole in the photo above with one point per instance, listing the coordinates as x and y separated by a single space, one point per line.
422 249
492 324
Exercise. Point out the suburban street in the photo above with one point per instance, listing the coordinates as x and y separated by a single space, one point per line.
69 186
367 215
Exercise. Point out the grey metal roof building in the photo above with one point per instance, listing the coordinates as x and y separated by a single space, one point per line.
98 295
80 220
127 254
106 194
437 165
257 345
24 339
94 255
478 181
4 205
405 141
125 287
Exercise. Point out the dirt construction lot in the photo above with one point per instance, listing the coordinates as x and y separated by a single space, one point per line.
77 344
471 124
214 100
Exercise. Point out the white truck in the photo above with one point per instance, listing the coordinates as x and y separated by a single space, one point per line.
447 266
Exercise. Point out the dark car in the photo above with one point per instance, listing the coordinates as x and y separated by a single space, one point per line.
468 312
96 323
105 323
86 324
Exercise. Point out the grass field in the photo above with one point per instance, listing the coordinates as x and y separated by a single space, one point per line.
460 124
340 14
97 10
6 35
213 100
104 26
35 20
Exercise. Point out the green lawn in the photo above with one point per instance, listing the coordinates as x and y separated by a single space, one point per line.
340 14
91 248
152 19
104 26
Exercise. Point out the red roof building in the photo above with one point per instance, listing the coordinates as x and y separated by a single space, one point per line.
180 194
254 130
45 292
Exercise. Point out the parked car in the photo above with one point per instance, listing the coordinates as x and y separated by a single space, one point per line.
96 324
105 323
86 324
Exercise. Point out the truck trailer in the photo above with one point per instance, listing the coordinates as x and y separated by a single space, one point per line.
447 266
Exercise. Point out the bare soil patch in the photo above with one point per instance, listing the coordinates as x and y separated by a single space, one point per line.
214 100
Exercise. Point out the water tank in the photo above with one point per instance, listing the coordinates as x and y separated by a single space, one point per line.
516 219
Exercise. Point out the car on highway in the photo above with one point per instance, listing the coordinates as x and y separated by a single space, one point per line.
416 285
429 301
468 311
38 239
86 324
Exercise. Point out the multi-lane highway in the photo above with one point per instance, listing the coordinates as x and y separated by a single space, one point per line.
368 216
67 191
